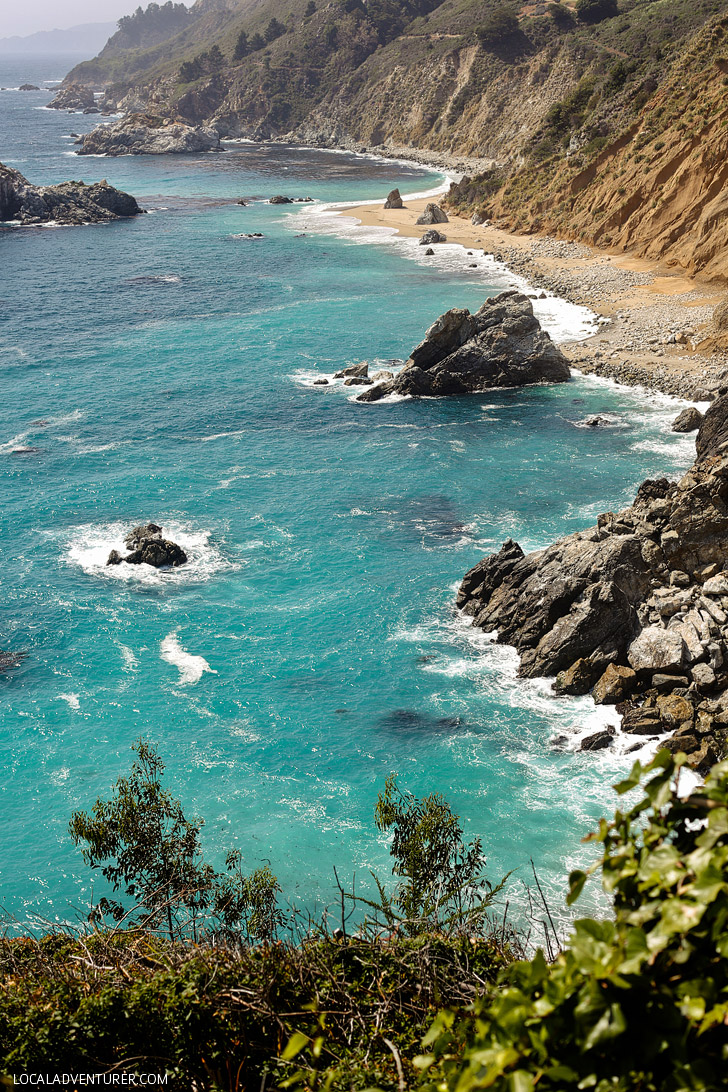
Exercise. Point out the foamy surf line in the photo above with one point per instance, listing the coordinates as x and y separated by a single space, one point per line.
191 668
562 320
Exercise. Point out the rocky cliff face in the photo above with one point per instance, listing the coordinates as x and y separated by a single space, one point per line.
609 131
501 345
140 134
634 609
67 203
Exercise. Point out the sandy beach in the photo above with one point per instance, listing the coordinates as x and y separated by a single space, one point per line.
656 316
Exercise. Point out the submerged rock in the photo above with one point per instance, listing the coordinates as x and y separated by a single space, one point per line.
149 548
66 203
433 214
147 134
394 200
501 345
636 607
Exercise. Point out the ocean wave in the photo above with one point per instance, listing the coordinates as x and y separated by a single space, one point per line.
90 545
191 668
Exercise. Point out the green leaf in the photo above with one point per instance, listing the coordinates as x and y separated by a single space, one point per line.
295 1045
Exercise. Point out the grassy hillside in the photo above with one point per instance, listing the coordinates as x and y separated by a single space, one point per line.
603 121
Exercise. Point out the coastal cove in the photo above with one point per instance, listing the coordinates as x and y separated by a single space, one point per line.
312 646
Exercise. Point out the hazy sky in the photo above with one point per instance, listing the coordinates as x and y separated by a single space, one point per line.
32 15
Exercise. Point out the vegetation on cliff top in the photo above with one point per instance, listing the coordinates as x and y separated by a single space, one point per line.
428 998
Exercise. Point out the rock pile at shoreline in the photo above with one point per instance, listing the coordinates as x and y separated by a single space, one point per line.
147 547
67 203
501 345
74 97
145 134
634 609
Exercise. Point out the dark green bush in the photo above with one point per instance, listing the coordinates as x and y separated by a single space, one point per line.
638 1003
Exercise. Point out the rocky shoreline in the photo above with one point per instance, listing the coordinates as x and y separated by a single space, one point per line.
633 610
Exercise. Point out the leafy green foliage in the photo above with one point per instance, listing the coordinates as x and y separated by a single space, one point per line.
242 48
593 11
634 1004
145 847
442 883
144 28
499 26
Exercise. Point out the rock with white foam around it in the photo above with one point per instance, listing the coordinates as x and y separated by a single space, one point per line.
501 345
148 547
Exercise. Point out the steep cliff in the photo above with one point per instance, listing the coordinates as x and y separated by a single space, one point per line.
595 121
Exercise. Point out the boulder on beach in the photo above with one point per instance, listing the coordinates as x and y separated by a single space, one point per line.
394 200
73 97
433 214
501 345
147 134
431 237
66 203
634 609
688 420
148 547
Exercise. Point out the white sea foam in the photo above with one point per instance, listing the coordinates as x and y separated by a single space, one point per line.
563 320
191 668
130 660
89 546
72 700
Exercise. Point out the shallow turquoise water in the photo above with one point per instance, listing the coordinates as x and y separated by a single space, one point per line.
162 370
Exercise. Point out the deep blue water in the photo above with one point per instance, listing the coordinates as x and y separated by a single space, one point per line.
161 369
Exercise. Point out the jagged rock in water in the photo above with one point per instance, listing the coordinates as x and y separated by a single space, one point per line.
429 252
147 134
280 200
394 200
433 214
431 237
501 345
353 370
28 87
636 607
149 548
598 740
66 203
689 420
73 97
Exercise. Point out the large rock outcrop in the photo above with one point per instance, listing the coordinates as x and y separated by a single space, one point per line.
66 203
635 608
501 345
146 134
73 97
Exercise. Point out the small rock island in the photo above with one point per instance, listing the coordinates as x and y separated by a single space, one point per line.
66 203
148 547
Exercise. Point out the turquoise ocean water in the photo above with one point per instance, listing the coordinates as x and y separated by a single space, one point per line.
161 369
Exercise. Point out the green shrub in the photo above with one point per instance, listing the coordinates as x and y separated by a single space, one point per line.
638 1003
499 26
594 11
